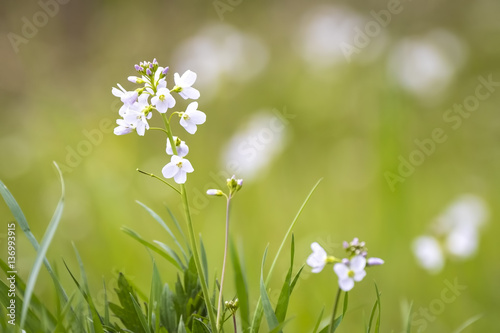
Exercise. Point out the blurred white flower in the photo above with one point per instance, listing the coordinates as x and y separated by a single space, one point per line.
324 32
354 270
183 85
220 51
426 65
462 241
317 260
428 253
256 145
177 168
192 117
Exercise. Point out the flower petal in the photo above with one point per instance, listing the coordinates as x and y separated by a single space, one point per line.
358 263
189 93
188 126
186 166
346 284
341 270
197 117
358 276
188 78
180 177
170 170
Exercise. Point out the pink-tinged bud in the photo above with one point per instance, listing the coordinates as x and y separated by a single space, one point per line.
355 241
345 261
364 253
155 61
239 182
165 71
151 66
345 244
137 67
374 262
148 71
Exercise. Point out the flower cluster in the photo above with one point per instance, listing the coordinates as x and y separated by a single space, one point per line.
348 270
153 95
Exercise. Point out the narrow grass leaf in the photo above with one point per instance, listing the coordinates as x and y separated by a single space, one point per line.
42 251
241 287
140 315
318 322
204 260
468 322
272 321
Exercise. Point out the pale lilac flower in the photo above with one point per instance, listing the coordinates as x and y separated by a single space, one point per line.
183 85
428 253
348 273
374 262
163 100
138 114
123 127
317 260
136 79
192 117
181 147
177 168
127 97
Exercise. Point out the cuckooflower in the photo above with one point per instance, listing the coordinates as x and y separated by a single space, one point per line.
192 117
177 168
138 114
127 97
374 262
181 147
354 270
183 85
163 100
123 127
318 259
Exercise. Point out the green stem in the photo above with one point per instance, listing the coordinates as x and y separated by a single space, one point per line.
337 298
219 307
162 180
192 238
159 129
234 323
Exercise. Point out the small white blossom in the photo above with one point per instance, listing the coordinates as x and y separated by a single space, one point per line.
127 97
192 117
183 85
317 260
123 127
181 147
138 114
163 100
177 168
374 262
349 272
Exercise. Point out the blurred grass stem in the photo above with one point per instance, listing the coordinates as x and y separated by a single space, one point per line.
219 307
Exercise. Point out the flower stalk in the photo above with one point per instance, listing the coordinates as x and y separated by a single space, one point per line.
335 306
226 243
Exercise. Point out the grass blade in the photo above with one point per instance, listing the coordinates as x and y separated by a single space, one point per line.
241 288
42 251
272 321
467 323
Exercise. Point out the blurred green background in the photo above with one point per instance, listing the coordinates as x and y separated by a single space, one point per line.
349 121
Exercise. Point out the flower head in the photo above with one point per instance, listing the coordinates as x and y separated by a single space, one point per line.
192 117
127 97
137 114
177 168
183 85
318 259
162 100
349 272
180 146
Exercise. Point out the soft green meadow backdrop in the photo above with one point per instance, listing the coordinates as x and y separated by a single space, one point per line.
349 119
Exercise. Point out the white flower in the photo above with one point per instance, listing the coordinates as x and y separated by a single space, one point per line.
123 127
182 148
428 253
138 114
127 97
317 260
349 272
177 168
183 85
163 100
463 241
192 117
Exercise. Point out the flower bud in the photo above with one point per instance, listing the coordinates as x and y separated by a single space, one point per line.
374 262
165 71
137 67
234 184
148 71
216 193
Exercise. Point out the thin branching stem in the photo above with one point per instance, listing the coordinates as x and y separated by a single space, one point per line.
160 179
219 307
